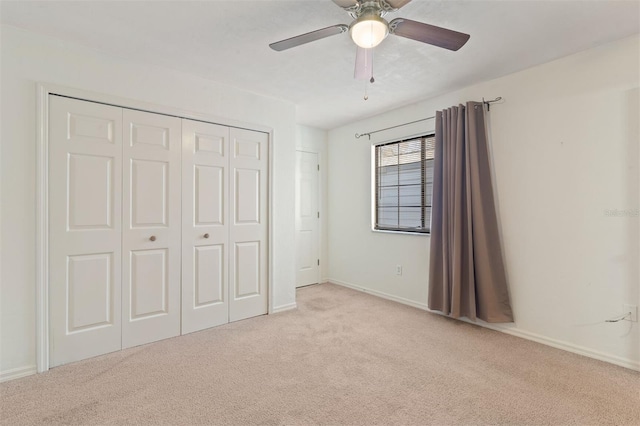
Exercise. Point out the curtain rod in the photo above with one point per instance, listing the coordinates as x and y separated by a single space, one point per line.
359 135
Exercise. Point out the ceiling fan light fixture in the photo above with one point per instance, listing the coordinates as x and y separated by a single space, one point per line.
369 30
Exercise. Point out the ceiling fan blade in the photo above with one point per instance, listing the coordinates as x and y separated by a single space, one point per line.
308 37
345 4
429 34
397 4
364 64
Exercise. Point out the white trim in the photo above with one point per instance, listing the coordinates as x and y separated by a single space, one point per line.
381 294
284 308
566 346
17 373
42 229
513 331
419 134
54 89
270 298
383 231
43 90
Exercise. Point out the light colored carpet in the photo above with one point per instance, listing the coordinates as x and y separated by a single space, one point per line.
343 357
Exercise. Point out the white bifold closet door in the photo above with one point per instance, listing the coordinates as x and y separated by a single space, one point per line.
85 229
205 225
157 226
152 226
225 229
248 228
114 220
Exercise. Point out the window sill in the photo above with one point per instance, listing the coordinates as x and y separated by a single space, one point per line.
421 234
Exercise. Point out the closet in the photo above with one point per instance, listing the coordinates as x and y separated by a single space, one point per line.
157 227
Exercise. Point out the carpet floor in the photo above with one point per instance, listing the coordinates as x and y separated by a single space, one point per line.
342 358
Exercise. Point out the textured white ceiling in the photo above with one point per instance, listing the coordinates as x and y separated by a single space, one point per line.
227 41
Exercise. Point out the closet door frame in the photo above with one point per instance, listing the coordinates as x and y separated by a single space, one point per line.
43 91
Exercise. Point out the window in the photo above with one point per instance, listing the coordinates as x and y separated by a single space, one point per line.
404 184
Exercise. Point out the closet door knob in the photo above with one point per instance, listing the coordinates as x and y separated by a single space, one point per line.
206 235
152 238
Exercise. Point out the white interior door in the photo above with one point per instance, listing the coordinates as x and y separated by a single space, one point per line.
307 219
85 190
205 229
248 227
152 224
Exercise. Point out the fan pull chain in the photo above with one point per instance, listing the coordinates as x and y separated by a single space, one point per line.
370 81
366 85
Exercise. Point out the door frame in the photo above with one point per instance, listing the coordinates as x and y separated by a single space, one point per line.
43 91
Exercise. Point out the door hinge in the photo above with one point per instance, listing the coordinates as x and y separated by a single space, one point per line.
318 262
318 167
318 215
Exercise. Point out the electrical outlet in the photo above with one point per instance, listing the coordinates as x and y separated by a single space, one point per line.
398 269
634 312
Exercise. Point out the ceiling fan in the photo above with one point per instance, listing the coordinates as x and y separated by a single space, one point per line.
369 28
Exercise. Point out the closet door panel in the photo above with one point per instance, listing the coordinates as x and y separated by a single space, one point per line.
149 193
208 274
248 232
151 236
149 285
85 157
205 229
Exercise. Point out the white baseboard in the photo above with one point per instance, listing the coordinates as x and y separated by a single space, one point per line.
16 373
284 308
566 346
380 294
514 331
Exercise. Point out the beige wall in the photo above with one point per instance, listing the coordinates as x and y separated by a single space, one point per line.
565 150
28 58
565 147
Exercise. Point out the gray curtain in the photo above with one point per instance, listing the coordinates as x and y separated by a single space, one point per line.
466 276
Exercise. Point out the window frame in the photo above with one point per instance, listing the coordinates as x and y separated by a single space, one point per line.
374 188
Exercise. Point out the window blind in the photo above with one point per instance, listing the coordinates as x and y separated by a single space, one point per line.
404 185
